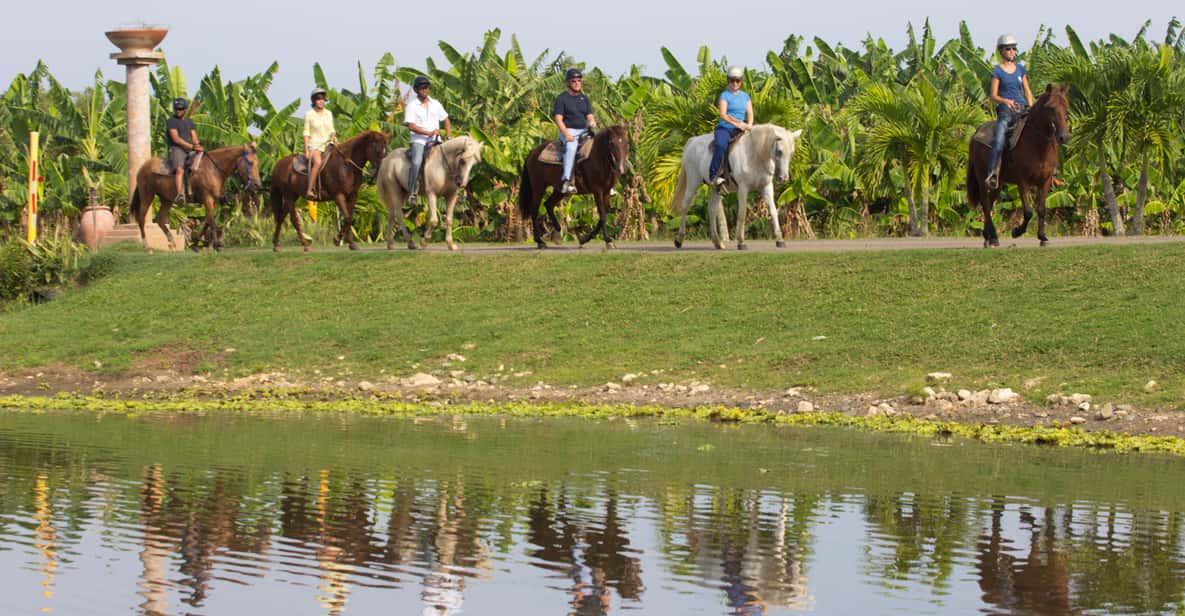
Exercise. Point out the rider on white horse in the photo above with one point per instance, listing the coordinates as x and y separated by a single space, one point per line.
1010 92
423 116
735 109
573 115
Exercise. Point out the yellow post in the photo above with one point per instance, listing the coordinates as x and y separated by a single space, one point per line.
34 178
313 211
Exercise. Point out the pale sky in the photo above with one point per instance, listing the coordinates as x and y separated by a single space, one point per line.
243 37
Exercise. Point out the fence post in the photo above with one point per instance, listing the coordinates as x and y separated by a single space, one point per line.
34 179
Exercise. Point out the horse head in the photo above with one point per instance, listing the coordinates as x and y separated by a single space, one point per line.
467 158
374 148
248 166
616 140
782 150
1055 105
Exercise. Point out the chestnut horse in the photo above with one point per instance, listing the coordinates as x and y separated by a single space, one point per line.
1030 165
594 175
205 187
341 177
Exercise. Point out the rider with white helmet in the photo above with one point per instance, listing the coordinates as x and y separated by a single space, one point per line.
1011 93
319 132
735 109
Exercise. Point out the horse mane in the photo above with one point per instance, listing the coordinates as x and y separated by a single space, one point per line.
347 146
764 136
1043 103
472 147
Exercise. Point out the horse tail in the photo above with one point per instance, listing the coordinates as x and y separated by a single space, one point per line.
525 192
680 191
134 206
974 199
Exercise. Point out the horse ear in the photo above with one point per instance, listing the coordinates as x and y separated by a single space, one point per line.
796 134
1066 89
1049 89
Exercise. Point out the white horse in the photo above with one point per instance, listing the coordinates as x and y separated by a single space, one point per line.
445 172
756 157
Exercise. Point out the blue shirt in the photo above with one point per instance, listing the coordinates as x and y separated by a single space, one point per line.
735 106
1011 86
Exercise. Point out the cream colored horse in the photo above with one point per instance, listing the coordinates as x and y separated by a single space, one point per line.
445 172
759 155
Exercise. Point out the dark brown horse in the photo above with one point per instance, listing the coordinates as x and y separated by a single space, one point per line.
595 175
341 177
205 188
1030 165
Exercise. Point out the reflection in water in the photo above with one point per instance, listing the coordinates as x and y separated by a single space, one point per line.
354 533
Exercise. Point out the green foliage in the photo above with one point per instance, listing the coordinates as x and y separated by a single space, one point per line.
28 271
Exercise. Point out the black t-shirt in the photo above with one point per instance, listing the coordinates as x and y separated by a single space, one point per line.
575 109
184 128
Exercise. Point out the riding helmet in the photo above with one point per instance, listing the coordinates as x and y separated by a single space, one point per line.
317 92
1006 40
180 103
736 72
420 82
573 73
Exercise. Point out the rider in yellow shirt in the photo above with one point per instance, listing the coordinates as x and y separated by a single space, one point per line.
318 134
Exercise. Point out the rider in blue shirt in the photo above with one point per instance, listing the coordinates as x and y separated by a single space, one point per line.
735 109
1010 92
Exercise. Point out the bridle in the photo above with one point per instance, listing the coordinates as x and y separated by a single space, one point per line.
245 159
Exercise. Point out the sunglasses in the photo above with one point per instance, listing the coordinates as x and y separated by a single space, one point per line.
1010 49
734 80
575 80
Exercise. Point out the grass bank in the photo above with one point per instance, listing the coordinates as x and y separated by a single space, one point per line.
1099 319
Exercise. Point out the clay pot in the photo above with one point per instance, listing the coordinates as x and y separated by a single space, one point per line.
96 222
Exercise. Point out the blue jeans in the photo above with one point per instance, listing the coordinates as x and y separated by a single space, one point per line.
722 136
1004 121
570 148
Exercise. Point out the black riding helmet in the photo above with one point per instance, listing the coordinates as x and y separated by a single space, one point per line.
572 74
180 103
317 93
420 82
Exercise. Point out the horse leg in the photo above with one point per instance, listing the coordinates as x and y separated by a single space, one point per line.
1042 193
715 228
557 234
536 221
141 217
1025 195
742 204
990 238
346 205
395 216
211 224
600 222
433 218
603 212
767 192
162 221
683 220
291 208
448 220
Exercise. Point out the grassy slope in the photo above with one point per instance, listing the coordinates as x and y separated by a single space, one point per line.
1101 319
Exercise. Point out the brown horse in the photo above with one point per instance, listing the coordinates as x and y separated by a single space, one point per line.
595 175
205 187
1030 165
341 177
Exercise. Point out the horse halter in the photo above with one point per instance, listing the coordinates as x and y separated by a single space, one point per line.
246 160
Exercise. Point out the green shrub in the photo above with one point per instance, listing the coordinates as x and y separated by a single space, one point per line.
28 271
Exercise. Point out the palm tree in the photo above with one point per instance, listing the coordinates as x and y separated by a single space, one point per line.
924 131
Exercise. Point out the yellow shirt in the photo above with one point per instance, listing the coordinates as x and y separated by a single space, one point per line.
318 127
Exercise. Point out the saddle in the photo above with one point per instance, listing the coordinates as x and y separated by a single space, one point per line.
192 159
987 131
553 153
429 149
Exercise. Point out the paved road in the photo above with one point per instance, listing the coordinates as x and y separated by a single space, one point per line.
765 245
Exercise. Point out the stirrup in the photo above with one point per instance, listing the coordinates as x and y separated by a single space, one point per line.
993 181
568 188
179 199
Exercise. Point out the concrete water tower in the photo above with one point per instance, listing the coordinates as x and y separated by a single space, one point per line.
137 52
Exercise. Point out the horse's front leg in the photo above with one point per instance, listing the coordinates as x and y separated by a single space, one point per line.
1042 193
433 219
716 231
603 212
1025 196
290 208
210 228
448 220
557 233
742 205
683 217
600 222
767 192
345 204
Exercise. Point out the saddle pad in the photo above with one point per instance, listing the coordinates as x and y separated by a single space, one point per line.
987 131
166 168
553 153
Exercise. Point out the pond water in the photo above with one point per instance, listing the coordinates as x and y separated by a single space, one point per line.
329 514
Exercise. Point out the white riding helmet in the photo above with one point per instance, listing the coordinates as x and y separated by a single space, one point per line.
736 72
1006 40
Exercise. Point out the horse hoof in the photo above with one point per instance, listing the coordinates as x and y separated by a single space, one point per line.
452 246
1044 243
557 237
540 245
780 244
610 246
277 248
991 243
308 249
742 246
354 246
411 245
678 243
390 245
1017 233
718 245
